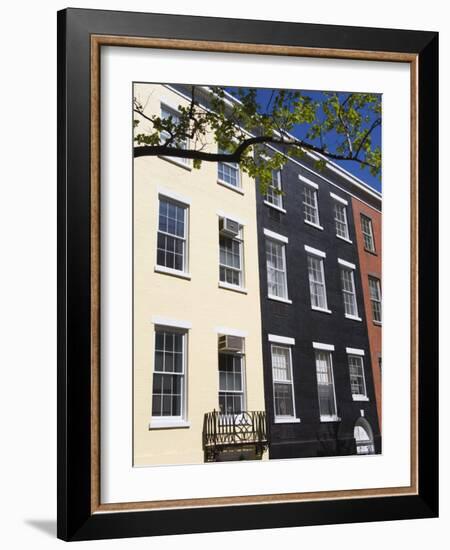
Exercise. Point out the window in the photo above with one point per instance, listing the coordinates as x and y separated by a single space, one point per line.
317 282
171 246
310 205
363 435
231 385
348 292
340 219
357 379
325 385
276 269
230 252
283 389
367 231
167 112
228 172
375 298
273 197
169 373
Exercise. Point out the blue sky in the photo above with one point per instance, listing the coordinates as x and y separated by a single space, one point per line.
263 97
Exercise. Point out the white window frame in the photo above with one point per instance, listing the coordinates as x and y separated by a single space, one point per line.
234 166
281 241
349 268
275 200
378 300
243 392
319 256
240 240
179 421
184 272
183 162
283 419
368 234
313 188
340 203
324 348
360 356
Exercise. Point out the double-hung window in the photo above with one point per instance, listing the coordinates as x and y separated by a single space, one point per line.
375 298
231 258
310 205
273 195
357 378
168 398
283 386
367 231
340 220
231 383
276 268
228 172
325 385
172 235
348 289
180 143
316 277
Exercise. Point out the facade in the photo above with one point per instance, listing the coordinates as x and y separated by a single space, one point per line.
368 237
197 317
251 328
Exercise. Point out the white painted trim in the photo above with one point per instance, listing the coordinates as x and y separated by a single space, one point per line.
281 339
360 398
308 181
174 272
236 288
177 160
166 322
317 226
339 199
170 104
164 423
275 207
325 347
287 420
314 251
229 186
344 239
346 264
330 418
353 317
173 195
355 351
230 332
279 299
346 175
322 309
275 236
232 217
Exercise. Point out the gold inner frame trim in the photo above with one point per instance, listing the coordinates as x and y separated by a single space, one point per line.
97 41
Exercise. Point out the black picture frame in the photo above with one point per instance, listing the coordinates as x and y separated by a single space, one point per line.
76 521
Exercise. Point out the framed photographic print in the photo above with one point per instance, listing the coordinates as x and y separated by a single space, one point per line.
247 274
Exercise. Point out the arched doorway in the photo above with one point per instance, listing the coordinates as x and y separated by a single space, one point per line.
363 437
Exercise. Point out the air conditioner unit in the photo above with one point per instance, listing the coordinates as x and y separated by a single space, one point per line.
231 344
228 227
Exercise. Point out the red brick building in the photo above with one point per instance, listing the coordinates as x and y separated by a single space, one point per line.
368 235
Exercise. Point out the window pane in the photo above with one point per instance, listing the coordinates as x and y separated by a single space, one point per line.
340 218
282 381
325 384
356 369
171 243
231 394
228 172
317 282
375 298
310 207
348 291
276 271
272 195
283 400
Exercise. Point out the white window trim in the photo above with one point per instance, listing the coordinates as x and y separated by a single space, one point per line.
229 286
275 236
314 251
177 161
359 396
317 226
330 418
170 104
354 351
232 217
243 392
225 331
344 239
169 194
173 323
323 347
322 309
339 199
279 299
346 264
353 317
174 272
286 340
174 160
223 284
275 207
157 424
308 181
284 419
235 166
232 187
183 273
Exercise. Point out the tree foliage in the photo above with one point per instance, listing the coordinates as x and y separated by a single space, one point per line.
339 126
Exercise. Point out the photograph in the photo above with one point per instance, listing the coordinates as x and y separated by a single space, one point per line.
257 273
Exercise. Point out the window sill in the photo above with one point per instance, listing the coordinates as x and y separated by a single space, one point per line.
177 162
278 299
232 187
287 420
313 225
360 398
315 308
168 424
173 272
370 252
232 287
278 208
333 418
377 323
344 239
353 317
